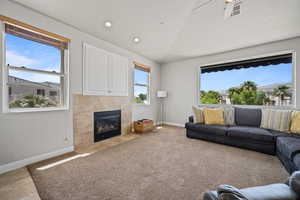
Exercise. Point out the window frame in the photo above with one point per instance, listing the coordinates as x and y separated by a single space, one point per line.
64 75
143 85
294 72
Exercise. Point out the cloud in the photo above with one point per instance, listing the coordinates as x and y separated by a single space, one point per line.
35 77
15 59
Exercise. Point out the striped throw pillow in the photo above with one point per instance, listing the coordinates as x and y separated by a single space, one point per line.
198 114
229 115
278 120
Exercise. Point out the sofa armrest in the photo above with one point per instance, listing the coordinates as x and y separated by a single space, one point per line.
191 119
210 195
270 192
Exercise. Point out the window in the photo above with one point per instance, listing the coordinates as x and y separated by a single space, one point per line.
141 84
53 93
36 70
40 92
264 81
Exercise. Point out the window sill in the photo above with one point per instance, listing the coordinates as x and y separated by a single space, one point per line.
29 110
141 104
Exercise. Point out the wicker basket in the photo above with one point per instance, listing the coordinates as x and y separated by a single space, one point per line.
143 126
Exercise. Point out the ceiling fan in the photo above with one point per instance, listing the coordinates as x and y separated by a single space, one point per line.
231 8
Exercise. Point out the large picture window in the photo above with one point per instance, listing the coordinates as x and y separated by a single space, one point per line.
141 84
36 71
263 81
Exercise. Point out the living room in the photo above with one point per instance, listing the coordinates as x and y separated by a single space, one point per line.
69 66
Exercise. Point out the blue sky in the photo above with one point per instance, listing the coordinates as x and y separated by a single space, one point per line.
22 52
264 75
142 78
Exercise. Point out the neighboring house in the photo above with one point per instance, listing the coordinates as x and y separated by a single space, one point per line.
275 100
18 88
269 91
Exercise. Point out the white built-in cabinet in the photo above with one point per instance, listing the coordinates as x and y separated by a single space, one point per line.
104 73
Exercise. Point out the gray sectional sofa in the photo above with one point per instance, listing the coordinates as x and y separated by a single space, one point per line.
246 133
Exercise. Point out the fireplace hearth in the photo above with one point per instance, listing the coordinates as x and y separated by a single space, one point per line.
107 124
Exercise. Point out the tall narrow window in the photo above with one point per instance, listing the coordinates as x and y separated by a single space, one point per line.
36 69
266 81
141 84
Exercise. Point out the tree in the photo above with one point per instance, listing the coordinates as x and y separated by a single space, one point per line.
33 101
249 85
211 97
261 98
142 96
244 95
232 94
281 92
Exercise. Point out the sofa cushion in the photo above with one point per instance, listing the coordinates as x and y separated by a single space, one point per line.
210 129
253 133
213 116
198 113
288 146
276 119
294 182
229 115
279 133
210 195
295 125
270 192
296 160
226 192
247 116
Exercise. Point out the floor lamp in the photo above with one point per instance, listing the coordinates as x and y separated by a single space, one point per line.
161 94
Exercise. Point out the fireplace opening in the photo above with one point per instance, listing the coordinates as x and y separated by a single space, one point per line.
107 124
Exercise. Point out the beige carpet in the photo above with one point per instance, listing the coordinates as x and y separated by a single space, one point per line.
163 165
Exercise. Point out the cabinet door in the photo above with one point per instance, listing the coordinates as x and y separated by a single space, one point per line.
95 69
118 76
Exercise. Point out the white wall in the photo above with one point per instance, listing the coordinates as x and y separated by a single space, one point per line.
32 136
181 81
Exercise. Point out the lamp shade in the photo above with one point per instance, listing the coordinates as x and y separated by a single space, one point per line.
162 94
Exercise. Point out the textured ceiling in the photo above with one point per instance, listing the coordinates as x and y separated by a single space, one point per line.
177 29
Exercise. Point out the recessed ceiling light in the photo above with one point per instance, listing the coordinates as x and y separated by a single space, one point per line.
136 39
108 24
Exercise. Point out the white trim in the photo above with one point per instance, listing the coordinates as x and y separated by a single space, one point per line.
22 163
66 82
174 124
293 52
27 110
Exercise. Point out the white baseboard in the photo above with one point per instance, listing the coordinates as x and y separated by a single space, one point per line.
174 124
22 163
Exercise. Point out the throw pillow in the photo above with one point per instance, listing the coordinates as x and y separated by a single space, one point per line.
278 120
198 114
247 116
295 125
229 115
294 182
228 192
213 116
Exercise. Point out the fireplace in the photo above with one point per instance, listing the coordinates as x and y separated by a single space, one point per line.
107 124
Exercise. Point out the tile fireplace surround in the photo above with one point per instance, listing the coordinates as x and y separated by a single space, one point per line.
83 112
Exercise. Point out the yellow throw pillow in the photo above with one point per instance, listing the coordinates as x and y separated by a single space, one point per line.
213 116
295 126
198 114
